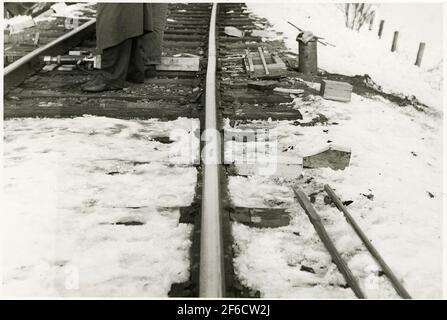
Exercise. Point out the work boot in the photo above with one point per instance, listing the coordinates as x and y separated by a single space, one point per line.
135 78
150 71
100 84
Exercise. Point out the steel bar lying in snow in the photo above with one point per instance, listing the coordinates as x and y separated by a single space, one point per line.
321 231
211 243
386 269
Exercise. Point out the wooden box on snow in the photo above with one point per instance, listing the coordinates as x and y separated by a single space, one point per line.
336 90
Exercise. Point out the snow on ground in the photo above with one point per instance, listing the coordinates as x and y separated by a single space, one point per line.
68 182
18 23
60 9
396 157
359 53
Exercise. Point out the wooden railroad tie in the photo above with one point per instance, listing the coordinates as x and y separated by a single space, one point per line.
179 64
260 217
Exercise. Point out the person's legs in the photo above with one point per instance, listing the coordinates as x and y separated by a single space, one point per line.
114 68
115 62
135 73
153 42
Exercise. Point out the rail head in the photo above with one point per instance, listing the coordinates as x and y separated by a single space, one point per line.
211 282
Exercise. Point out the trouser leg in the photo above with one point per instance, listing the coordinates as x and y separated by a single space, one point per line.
152 42
135 72
115 62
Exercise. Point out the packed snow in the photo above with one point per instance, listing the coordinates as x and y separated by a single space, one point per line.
91 206
359 53
394 180
18 23
62 10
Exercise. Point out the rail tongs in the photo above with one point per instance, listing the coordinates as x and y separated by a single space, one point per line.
75 58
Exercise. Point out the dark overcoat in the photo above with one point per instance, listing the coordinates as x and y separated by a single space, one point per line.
116 22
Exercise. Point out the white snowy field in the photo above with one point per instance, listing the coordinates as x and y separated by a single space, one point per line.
359 53
396 158
72 186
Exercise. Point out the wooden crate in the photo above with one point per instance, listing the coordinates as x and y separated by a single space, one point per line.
336 90
255 67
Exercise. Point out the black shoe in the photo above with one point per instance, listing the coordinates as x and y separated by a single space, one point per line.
99 84
135 78
150 71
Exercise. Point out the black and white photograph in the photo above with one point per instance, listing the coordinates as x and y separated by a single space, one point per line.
254 151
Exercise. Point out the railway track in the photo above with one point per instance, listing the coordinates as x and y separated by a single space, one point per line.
47 28
221 95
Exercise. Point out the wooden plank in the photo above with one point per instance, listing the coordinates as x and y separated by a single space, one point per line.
331 156
250 63
262 85
184 44
274 111
183 37
184 31
261 54
322 233
235 39
260 217
234 32
243 96
243 114
386 269
118 95
179 64
288 91
108 107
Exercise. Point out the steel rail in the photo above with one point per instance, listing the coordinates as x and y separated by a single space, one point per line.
328 243
211 276
400 289
16 72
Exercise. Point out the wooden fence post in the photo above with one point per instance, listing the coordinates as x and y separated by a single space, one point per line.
395 37
381 28
420 54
